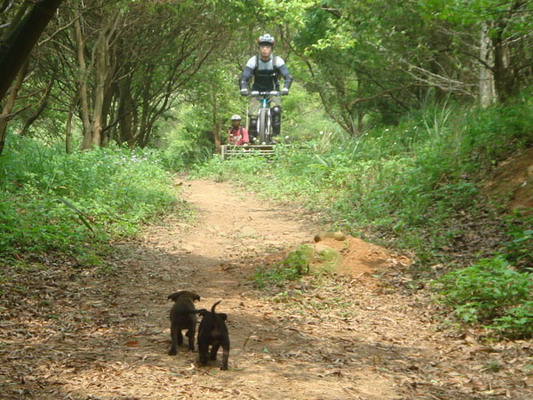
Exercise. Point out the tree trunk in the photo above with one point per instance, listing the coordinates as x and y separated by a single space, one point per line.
500 76
216 124
126 112
503 79
99 90
104 71
82 87
19 43
40 108
9 107
68 128
141 136
94 119
360 123
21 12
487 91
347 115
108 111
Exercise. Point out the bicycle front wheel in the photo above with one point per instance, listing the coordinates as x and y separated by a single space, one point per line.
263 128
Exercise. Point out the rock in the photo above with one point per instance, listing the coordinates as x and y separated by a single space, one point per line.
335 235
339 236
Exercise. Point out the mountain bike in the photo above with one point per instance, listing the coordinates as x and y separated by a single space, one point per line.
264 118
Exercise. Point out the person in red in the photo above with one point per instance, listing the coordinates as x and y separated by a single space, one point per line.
237 134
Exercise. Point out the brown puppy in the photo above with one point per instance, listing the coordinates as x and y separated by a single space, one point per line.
182 316
213 332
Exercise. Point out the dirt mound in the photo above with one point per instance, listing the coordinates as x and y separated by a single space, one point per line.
512 182
357 257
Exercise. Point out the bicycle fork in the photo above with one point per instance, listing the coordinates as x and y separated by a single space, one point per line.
263 122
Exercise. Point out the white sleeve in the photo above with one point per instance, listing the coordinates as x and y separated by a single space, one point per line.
279 62
251 62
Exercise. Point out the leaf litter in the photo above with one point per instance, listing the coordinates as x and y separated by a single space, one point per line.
348 333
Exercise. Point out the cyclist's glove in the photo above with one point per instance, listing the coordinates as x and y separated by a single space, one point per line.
244 92
284 91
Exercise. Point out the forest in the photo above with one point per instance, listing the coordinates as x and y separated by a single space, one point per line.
409 125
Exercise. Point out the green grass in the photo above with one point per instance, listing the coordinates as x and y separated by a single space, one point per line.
493 293
406 183
415 186
291 268
72 205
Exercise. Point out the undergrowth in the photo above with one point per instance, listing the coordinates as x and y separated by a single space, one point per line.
292 267
70 206
491 292
407 184
414 186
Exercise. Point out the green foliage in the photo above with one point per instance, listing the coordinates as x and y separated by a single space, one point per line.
303 115
357 52
407 182
493 133
72 205
519 250
327 259
298 260
477 12
493 293
235 169
294 266
516 323
410 184
186 143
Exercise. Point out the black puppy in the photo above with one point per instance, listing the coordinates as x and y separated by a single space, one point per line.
213 332
182 316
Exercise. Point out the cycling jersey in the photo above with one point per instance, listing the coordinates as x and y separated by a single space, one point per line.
265 73
238 136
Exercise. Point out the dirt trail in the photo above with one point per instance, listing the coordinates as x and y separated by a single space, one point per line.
336 337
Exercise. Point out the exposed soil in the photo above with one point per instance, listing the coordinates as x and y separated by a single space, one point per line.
512 181
345 335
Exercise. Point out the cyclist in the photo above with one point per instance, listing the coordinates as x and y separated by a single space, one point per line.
265 68
237 134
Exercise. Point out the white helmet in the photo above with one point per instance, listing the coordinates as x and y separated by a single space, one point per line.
266 39
235 117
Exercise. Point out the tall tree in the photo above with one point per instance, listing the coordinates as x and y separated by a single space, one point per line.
122 66
21 38
133 61
358 56
494 35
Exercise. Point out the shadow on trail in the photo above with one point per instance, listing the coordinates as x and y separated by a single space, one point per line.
73 334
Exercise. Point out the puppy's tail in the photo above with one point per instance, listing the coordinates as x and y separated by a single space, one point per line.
214 306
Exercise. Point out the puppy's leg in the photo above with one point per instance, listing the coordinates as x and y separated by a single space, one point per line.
214 350
174 339
203 350
180 337
190 334
225 356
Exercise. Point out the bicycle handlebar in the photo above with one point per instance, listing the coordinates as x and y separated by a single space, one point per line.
255 93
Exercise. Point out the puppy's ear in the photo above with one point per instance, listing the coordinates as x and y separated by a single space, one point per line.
192 295
173 296
223 316
184 293
203 312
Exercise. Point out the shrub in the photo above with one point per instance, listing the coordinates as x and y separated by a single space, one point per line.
492 293
294 266
51 202
519 250
516 323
